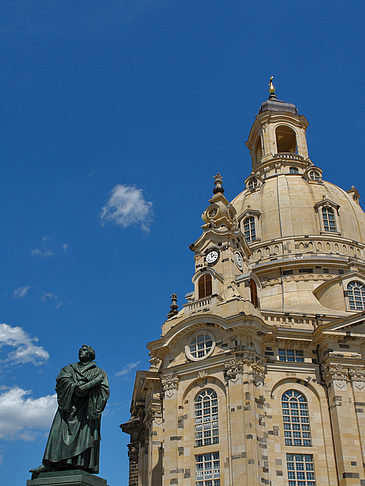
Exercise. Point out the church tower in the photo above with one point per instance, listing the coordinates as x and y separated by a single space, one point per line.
260 377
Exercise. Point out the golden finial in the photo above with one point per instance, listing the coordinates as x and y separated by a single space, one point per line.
271 86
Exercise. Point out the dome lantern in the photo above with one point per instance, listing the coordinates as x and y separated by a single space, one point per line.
277 138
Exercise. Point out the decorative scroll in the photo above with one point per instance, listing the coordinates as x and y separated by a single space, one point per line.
337 375
154 413
357 376
248 362
170 384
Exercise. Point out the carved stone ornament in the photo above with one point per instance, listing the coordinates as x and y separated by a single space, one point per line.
232 369
336 375
154 413
154 362
133 452
357 376
248 362
170 384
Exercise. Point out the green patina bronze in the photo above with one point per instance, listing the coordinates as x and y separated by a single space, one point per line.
74 439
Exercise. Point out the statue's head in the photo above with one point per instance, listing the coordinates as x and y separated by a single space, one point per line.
86 353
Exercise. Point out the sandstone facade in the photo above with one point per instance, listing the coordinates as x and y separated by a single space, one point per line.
260 377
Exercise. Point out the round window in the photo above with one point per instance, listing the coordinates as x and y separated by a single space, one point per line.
252 184
201 346
314 175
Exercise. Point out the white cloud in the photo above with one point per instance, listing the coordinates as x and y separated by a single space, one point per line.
127 368
21 415
51 297
21 292
25 349
42 253
65 247
127 206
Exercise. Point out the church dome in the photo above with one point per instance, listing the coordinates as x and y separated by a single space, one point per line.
291 206
306 235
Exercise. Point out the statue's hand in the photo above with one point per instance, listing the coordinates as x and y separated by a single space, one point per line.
91 384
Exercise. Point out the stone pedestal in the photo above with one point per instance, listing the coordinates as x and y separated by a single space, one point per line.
75 477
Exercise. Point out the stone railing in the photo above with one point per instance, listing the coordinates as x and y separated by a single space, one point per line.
299 246
199 305
288 156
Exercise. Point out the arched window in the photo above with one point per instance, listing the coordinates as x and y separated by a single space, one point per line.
356 295
329 220
205 286
249 229
286 141
253 289
296 419
258 151
206 418
293 170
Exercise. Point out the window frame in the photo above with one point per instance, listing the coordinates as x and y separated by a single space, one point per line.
329 219
295 415
205 480
335 209
348 298
207 281
298 355
251 229
206 418
257 219
304 469
190 354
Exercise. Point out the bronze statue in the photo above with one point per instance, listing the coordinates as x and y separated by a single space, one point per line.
74 439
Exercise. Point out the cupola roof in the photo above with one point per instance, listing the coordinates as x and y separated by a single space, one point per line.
273 104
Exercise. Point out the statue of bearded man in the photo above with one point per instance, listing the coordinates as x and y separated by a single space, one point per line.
74 439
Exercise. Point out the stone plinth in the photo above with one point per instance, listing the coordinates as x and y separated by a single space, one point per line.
75 477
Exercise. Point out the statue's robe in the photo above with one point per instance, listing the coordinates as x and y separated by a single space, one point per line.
74 438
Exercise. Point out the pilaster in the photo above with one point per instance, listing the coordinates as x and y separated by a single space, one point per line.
344 424
245 376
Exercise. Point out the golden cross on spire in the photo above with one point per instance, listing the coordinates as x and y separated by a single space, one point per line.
271 86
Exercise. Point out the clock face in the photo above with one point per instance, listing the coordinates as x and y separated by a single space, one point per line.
239 260
212 257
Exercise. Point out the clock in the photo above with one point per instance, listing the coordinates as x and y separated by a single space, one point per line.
238 259
212 257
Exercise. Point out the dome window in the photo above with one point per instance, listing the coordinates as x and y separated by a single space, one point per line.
314 175
329 220
356 295
293 170
286 140
328 215
258 151
249 229
252 184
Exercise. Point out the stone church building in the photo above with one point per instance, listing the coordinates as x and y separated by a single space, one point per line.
259 379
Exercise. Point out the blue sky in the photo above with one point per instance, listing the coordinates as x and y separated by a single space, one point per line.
115 116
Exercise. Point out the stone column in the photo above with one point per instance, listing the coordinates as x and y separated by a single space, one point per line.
344 425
